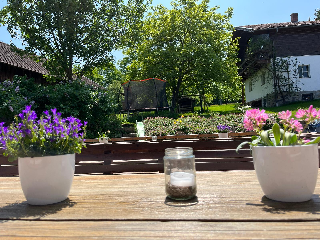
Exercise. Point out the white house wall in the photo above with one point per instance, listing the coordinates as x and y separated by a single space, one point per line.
260 91
312 83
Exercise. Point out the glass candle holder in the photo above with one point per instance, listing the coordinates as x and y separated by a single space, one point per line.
180 173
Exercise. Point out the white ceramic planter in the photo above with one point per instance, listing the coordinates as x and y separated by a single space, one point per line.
46 180
103 140
223 135
287 173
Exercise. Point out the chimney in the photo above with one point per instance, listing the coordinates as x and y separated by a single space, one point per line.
294 17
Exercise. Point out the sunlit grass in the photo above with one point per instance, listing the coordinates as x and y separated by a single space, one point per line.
294 106
223 109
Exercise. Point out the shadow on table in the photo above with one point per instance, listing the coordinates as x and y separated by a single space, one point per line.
312 206
22 210
185 203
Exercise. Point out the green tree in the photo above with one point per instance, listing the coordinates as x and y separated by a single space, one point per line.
317 14
190 46
66 33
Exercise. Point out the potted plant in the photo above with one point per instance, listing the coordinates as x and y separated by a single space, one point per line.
103 138
223 131
45 148
286 165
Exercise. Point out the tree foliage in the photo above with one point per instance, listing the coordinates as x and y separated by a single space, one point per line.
75 98
317 14
190 46
65 33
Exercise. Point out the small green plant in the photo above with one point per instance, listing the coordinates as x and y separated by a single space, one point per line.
104 135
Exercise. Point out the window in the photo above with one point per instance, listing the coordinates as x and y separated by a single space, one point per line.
304 71
250 86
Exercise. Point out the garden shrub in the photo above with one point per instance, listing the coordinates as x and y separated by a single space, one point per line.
161 126
74 98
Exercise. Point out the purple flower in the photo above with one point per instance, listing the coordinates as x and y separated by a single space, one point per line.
49 135
223 128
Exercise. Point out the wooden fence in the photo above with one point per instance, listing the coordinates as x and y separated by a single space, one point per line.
142 155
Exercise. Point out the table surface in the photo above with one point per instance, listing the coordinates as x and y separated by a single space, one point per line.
229 205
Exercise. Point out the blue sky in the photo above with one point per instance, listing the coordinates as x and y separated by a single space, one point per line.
246 12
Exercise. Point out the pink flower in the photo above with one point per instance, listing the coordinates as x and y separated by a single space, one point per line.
248 125
254 119
284 115
306 140
308 115
295 125
300 113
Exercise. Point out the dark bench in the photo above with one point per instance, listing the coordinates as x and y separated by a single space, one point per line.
140 155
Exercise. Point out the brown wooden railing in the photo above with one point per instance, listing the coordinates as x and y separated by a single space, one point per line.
142 155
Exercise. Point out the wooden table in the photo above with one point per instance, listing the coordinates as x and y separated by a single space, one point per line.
230 205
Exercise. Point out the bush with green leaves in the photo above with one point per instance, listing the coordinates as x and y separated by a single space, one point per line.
14 96
73 98
161 126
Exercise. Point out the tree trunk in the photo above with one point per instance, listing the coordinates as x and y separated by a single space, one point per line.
175 94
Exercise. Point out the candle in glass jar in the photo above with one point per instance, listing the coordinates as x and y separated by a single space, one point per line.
182 179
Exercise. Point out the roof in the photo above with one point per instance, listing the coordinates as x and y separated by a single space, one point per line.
269 26
8 56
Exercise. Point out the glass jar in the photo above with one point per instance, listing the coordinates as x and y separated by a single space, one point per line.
180 173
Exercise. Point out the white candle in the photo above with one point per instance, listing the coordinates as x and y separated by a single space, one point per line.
182 179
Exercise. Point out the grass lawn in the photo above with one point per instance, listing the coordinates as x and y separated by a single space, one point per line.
231 108
224 108
294 106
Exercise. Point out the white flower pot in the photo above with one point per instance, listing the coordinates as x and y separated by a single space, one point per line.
223 135
46 180
103 140
287 173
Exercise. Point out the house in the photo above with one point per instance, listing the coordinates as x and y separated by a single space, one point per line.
11 64
297 43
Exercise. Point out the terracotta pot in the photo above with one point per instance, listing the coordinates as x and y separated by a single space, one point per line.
287 173
46 180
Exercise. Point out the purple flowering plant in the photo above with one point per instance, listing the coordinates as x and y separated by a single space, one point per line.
30 136
223 128
255 119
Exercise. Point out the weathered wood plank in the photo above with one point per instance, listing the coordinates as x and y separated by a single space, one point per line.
198 154
222 196
158 230
8 171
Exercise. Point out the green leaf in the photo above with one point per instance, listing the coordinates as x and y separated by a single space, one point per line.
241 145
314 141
265 138
276 133
294 139
288 138
12 158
